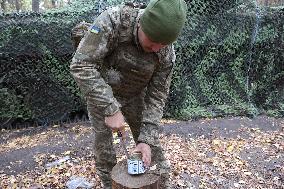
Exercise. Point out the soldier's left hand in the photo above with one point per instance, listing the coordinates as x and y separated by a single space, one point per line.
145 150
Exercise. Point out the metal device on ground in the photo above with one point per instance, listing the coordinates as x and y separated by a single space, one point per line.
135 165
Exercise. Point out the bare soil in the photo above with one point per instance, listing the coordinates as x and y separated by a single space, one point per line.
233 152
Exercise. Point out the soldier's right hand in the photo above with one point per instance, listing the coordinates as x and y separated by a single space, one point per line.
116 122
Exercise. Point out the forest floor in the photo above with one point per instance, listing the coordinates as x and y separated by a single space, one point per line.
233 152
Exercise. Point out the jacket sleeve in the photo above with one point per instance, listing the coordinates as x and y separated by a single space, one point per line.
155 98
89 57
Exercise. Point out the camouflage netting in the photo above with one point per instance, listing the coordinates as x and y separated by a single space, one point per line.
230 62
36 50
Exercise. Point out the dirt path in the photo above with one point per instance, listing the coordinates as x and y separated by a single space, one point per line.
217 153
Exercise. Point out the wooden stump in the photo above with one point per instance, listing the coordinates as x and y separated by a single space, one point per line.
122 180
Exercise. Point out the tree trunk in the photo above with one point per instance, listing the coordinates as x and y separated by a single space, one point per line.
3 6
53 2
17 5
35 5
122 180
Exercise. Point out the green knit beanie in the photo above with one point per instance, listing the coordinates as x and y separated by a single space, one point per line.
163 20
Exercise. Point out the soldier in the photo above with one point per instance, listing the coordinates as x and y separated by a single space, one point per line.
123 66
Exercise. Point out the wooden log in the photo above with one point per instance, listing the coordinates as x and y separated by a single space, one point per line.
122 180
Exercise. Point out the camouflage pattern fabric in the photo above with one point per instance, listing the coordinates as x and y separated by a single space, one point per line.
105 156
114 73
78 32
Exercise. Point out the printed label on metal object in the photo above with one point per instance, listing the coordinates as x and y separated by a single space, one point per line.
135 164
135 167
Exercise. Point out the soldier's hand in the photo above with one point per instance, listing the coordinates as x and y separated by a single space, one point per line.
145 150
116 122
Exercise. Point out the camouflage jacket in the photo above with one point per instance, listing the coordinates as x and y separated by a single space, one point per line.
110 64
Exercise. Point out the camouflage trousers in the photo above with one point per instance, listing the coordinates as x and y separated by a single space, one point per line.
105 156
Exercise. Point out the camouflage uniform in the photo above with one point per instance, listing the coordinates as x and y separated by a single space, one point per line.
114 73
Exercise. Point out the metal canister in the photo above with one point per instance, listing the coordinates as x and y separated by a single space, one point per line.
135 164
